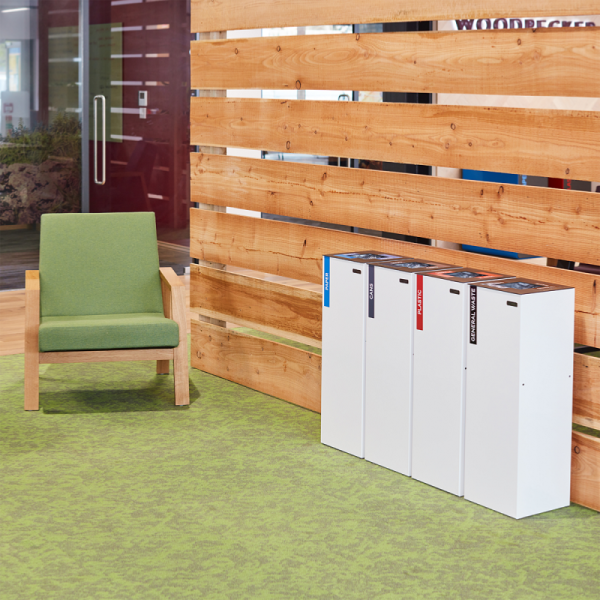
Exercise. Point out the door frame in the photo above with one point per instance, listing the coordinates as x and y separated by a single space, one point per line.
84 102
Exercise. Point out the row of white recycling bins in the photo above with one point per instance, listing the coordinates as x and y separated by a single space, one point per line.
459 378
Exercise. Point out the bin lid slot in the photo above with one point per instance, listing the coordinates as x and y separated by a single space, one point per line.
366 255
412 265
468 274
517 285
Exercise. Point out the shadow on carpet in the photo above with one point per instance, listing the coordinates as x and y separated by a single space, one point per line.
105 387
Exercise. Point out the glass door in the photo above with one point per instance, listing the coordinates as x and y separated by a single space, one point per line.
139 96
40 125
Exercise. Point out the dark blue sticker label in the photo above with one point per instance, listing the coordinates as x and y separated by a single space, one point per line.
473 315
371 291
326 280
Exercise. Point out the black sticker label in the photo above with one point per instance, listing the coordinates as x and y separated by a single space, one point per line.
371 291
473 314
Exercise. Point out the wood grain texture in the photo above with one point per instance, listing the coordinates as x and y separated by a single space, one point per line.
282 310
212 93
586 391
12 322
180 353
585 470
90 356
296 251
276 369
532 62
32 346
527 219
538 142
169 277
213 15
177 312
163 366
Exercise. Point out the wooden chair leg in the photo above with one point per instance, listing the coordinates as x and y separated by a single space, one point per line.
32 348
162 367
180 370
32 381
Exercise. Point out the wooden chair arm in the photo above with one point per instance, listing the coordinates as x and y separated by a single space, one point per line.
32 305
32 310
169 278
32 281
173 293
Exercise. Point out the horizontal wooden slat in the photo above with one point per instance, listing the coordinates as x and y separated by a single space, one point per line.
585 470
296 251
541 221
276 369
90 356
219 15
284 310
537 142
586 391
532 62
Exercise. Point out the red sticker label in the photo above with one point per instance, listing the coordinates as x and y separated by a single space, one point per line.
420 302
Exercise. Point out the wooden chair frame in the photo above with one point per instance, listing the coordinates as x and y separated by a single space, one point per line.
173 294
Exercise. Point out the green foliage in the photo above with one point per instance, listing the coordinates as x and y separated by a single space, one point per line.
62 138
40 171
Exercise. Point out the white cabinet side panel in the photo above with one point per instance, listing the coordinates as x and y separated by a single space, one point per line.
388 412
438 380
492 404
342 379
546 406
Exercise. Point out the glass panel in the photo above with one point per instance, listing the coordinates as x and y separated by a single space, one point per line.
139 62
40 128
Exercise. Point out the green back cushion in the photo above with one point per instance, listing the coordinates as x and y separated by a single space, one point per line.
99 264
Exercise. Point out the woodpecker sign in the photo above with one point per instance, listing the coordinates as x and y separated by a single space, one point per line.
518 23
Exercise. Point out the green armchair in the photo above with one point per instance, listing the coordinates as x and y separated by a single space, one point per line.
100 296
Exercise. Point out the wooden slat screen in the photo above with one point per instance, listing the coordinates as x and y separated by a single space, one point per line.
275 369
585 470
564 144
548 143
533 220
219 15
273 308
586 391
540 62
296 251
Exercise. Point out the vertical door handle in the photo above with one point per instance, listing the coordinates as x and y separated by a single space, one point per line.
103 180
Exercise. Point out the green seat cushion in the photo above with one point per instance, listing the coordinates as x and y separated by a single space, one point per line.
99 264
107 332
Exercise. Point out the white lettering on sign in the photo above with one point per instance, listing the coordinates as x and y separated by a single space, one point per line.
471 24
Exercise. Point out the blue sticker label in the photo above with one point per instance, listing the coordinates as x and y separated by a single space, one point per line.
326 280
371 291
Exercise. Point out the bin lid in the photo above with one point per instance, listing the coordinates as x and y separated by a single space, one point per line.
460 275
521 286
366 256
415 265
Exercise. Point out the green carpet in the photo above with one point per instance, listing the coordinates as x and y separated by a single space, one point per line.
110 492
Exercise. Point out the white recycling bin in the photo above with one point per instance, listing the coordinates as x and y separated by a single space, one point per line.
519 397
345 280
389 361
439 373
